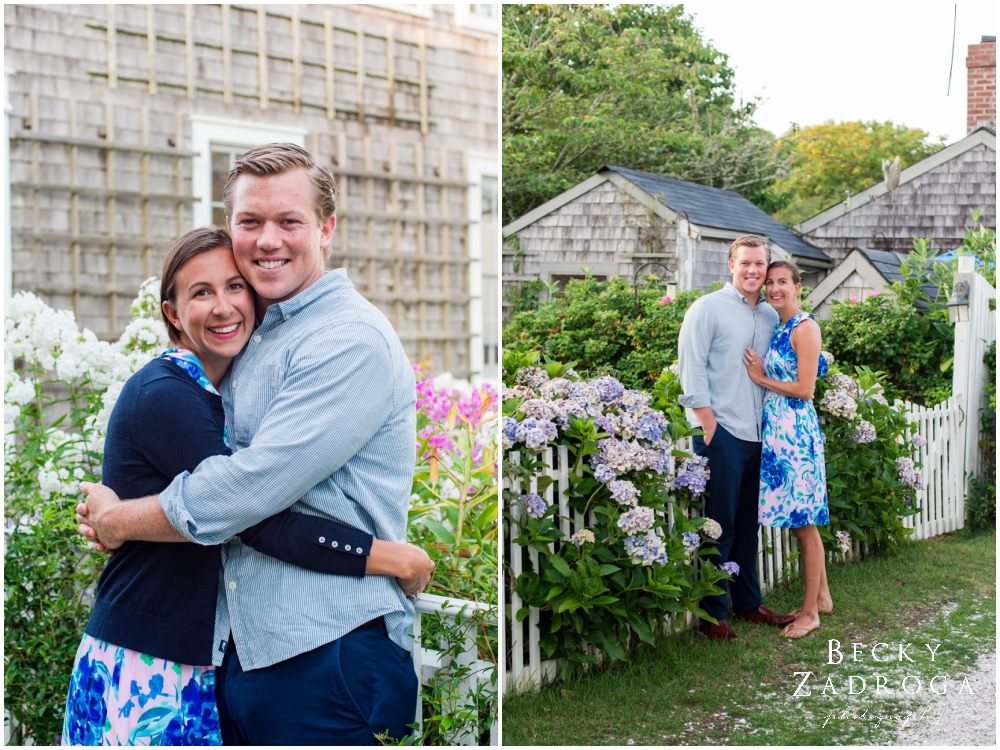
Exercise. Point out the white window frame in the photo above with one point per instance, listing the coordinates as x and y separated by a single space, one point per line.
235 133
479 164
465 18
8 235
420 10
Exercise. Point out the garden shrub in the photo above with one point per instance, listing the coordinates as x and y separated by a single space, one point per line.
871 477
599 326
631 564
981 504
886 333
60 384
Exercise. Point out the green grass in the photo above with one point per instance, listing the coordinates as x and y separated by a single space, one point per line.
690 691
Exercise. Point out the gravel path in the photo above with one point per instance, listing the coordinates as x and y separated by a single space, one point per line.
959 718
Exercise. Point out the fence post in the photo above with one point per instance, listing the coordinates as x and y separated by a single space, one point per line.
961 377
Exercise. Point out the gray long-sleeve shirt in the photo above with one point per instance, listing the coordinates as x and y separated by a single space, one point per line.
716 331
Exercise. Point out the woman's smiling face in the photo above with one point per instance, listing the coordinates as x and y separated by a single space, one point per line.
780 288
213 308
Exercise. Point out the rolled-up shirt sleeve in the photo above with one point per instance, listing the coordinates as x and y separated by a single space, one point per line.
694 343
335 396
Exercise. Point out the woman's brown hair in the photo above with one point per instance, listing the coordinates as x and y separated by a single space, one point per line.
790 265
195 242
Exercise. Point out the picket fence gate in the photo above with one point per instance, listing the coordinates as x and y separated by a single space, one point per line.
950 457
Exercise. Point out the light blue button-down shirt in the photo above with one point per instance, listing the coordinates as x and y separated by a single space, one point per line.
716 331
322 417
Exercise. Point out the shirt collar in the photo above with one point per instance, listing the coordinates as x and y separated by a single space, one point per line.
733 291
331 281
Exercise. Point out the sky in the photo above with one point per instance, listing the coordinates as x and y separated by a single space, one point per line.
814 62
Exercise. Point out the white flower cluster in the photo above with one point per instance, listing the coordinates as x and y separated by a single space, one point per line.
532 377
844 383
838 401
844 541
637 520
583 536
864 432
49 342
711 528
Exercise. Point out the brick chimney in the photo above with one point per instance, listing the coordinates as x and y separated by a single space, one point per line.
982 77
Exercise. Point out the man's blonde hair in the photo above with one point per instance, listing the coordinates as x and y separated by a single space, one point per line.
749 240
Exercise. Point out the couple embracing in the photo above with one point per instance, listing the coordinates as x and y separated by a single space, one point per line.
749 358
259 588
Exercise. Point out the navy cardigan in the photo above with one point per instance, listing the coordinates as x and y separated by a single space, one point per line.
159 598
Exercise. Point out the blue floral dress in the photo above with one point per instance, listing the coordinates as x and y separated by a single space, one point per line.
792 469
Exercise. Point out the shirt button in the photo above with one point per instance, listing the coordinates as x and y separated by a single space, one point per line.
334 545
347 547
358 550
288 317
322 540
232 585
257 339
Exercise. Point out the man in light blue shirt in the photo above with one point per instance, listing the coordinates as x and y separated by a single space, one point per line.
321 408
720 397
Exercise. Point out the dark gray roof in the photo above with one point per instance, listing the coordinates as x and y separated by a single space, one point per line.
722 209
888 264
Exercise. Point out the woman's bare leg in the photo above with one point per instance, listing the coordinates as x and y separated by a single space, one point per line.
813 576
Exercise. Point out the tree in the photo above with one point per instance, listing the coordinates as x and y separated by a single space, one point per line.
828 159
629 85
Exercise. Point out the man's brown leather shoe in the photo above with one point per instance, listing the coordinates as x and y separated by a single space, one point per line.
720 632
766 617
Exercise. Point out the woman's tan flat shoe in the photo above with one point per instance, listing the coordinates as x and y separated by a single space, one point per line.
795 612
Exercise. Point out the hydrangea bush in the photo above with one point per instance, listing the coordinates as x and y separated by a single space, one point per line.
60 385
871 476
629 565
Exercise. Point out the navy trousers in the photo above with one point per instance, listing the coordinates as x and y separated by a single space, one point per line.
342 693
733 494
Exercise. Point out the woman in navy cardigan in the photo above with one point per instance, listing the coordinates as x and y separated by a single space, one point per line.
143 673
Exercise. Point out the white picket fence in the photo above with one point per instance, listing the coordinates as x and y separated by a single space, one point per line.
949 459
426 661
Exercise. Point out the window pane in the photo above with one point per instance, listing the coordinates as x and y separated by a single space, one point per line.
220 172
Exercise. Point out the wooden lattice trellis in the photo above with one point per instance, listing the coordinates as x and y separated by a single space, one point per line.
93 201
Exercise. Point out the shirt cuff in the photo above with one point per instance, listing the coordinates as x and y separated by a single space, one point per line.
693 401
173 507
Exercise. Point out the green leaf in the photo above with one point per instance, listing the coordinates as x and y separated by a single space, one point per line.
559 564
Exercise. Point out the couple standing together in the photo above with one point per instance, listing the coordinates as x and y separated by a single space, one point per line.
278 625
749 358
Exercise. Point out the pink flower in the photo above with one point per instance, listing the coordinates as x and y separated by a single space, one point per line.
665 299
854 300
876 293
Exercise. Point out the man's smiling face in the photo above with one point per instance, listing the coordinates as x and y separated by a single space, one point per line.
278 240
749 270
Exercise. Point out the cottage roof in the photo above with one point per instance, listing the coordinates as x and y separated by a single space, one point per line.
877 267
722 209
981 136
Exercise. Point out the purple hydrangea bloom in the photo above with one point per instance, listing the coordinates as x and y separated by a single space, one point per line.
604 473
646 550
535 505
919 441
732 568
636 520
609 389
536 433
509 431
607 423
624 492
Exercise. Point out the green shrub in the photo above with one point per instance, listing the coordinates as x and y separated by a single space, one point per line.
599 326
868 494
981 504
886 333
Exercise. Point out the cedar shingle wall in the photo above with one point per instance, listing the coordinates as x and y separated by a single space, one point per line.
602 226
936 205
60 58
